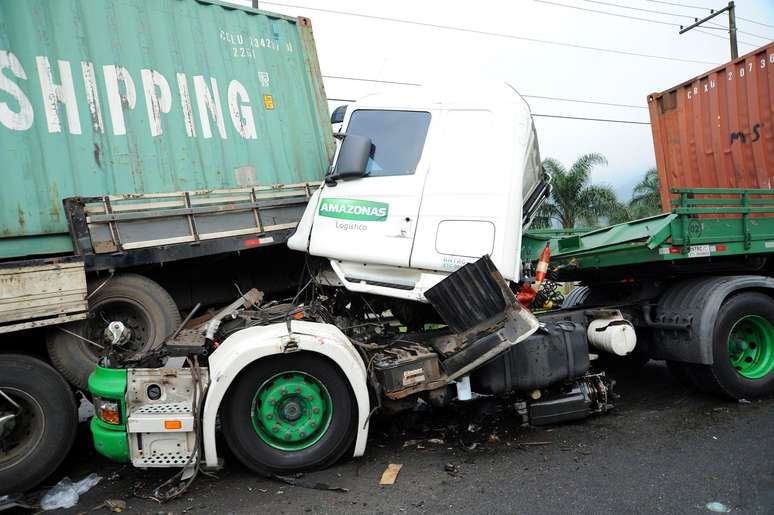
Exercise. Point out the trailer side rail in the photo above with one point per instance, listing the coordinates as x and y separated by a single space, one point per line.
113 231
705 222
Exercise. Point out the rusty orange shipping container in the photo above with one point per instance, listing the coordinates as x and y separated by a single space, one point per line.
717 130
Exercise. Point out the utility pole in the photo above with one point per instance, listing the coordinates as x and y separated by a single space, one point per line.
255 6
731 26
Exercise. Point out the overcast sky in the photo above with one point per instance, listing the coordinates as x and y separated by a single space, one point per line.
361 47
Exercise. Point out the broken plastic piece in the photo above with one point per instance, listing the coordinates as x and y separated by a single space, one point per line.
65 494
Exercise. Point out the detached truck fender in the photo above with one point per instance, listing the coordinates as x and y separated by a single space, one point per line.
245 347
694 304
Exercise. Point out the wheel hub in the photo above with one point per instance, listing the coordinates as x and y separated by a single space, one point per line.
291 411
751 347
21 430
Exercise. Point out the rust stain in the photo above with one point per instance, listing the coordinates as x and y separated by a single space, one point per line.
97 152
54 201
20 215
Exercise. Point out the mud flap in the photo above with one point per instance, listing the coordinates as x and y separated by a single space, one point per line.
483 314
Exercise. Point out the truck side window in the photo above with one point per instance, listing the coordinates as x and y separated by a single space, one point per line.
398 138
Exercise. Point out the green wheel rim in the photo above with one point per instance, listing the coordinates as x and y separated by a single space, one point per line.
751 347
291 411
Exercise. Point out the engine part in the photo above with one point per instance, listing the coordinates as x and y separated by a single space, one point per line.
479 307
555 353
407 368
614 335
579 400
117 334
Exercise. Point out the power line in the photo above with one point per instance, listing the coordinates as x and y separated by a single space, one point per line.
678 15
680 5
755 22
360 79
715 25
609 13
540 97
579 101
495 34
641 9
581 118
709 9
607 120
726 39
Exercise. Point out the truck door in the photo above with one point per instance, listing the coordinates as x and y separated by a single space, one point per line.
372 219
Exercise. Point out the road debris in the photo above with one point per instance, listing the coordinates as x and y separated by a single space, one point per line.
114 505
717 507
65 493
390 473
313 485
452 470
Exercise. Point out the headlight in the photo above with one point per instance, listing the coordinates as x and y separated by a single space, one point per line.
107 410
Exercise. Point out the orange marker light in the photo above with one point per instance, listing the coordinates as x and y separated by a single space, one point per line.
173 424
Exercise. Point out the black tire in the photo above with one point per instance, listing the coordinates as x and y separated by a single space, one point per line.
149 310
721 378
264 459
576 297
43 433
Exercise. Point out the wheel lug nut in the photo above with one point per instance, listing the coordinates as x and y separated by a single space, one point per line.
315 410
283 390
302 434
288 435
298 390
309 397
313 424
275 429
270 416
272 401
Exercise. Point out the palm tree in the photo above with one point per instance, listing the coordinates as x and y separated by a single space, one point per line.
574 199
646 197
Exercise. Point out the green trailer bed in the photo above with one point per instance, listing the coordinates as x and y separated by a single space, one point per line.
704 223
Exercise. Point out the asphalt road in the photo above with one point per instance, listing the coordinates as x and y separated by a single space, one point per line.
664 449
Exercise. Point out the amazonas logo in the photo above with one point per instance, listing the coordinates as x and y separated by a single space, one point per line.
352 209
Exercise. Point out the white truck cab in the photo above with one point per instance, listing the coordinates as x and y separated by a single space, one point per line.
447 178
427 200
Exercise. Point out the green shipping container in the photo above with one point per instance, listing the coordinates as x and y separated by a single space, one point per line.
121 97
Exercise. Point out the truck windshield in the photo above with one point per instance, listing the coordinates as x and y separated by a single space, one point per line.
397 136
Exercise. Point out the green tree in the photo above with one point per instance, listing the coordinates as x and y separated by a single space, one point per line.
574 199
646 196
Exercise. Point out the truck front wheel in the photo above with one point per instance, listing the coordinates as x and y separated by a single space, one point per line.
38 421
144 307
289 413
742 348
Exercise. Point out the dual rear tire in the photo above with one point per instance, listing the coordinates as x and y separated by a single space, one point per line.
742 350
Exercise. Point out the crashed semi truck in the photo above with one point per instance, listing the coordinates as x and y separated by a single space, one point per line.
414 246
155 155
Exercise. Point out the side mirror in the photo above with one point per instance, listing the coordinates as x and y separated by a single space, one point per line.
337 116
353 158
